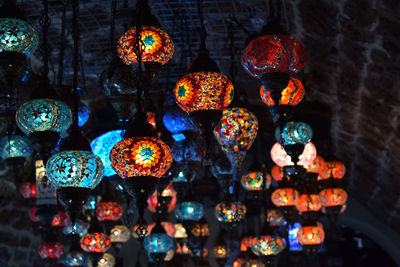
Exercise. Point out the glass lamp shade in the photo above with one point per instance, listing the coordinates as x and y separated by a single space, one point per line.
83 115
188 150
337 169
61 219
50 250
80 228
157 46
278 173
74 169
308 202
74 258
246 242
141 156
39 115
28 190
254 181
267 245
203 91
201 229
236 130
101 147
169 191
230 212
176 121
15 146
283 197
281 158
291 95
275 217
107 260
294 132
168 227
120 234
317 165
180 231
95 242
331 197
241 262
158 243
189 211
311 235
273 53
108 211
17 35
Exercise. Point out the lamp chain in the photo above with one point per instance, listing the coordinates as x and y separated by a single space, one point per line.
45 23
75 63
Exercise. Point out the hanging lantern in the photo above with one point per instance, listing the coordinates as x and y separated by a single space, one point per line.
107 260
311 235
281 158
242 262
189 211
308 202
267 245
17 35
254 181
95 243
230 212
180 231
317 165
28 190
80 228
157 45
108 211
50 250
275 217
278 174
168 192
15 146
293 133
61 219
337 169
119 234
159 244
74 258
139 231
283 197
188 150
331 197
246 243
236 132
177 121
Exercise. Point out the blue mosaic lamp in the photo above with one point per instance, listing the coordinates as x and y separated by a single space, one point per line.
17 35
189 211
293 133
177 121
83 115
74 258
101 147
158 245
15 146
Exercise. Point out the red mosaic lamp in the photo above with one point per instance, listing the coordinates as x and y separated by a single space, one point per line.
311 235
95 242
50 250
273 57
28 190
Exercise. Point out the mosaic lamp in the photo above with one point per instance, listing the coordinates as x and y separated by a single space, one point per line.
28 190
158 243
275 217
177 121
255 181
230 212
282 197
333 197
281 158
50 250
308 203
310 236
120 234
282 104
108 211
266 245
15 147
18 39
107 260
95 242
140 159
337 169
236 133
221 250
189 211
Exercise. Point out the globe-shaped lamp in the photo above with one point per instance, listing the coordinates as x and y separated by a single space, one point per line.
107 260
189 211
308 202
332 197
15 146
28 190
177 121
120 234
230 212
17 35
293 133
283 197
95 242
254 181
311 235
50 250
275 217
108 211
267 245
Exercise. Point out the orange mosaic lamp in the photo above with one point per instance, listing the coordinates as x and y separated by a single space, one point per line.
332 197
157 46
203 91
337 169
308 202
141 156
246 243
108 211
284 197
311 235
95 243
278 174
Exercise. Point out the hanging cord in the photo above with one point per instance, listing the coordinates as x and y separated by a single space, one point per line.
112 24
203 32
232 68
62 46
75 64
45 23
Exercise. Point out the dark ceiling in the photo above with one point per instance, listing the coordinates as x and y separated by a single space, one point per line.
352 71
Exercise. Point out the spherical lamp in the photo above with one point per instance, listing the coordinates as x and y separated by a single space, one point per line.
15 146
74 258
311 235
28 190
119 234
331 197
107 260
337 169
50 250
278 174
95 242
283 197
158 245
188 151
275 217
308 202
254 181
177 121
293 133
16 35
290 96
108 211
61 219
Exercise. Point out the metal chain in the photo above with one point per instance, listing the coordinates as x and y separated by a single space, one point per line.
45 23
75 63
62 46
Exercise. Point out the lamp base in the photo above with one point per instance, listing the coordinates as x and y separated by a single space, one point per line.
72 199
